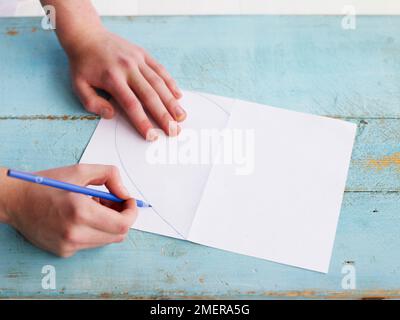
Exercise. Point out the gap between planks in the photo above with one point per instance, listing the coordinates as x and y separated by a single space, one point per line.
95 117
91 117
52 117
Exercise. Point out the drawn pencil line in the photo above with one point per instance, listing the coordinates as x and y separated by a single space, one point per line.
135 185
209 173
213 102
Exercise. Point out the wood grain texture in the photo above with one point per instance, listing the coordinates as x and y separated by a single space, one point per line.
42 143
302 63
148 265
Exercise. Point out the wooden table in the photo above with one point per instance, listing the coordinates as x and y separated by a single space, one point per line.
306 63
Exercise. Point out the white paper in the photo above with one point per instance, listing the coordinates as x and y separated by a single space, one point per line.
282 204
286 210
173 190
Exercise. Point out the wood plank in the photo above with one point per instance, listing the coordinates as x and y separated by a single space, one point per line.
212 7
305 63
148 265
34 144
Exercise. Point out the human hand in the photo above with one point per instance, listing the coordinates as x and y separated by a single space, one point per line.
131 76
63 222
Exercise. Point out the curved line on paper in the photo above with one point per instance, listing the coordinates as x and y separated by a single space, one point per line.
133 182
135 185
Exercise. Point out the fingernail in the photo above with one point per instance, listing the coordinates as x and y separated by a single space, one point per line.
151 135
180 113
106 113
173 128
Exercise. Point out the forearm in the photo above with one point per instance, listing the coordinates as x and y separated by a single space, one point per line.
76 21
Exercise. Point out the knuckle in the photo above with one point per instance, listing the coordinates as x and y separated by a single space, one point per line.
132 105
172 103
76 210
139 55
66 234
124 62
80 168
65 250
90 104
160 68
141 50
155 80
69 236
76 215
65 254
113 170
123 228
108 77
169 81
120 238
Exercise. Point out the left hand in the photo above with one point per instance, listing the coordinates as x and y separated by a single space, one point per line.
131 76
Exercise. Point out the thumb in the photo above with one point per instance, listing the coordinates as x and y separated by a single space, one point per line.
92 101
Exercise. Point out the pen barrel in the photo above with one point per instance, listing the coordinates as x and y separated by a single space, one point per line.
62 185
26 176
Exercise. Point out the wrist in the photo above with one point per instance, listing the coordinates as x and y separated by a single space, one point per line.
76 22
76 39
3 197
9 190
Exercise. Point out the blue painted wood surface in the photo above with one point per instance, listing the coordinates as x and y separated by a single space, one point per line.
302 63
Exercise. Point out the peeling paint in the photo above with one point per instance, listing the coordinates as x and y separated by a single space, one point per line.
392 160
363 185
170 278
51 117
14 274
172 250
182 294
106 295
12 32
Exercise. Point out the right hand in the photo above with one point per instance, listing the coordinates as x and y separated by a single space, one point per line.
63 222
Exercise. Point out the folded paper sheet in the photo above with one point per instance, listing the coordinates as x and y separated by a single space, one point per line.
243 177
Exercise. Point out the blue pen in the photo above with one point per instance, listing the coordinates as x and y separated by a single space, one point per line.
69 187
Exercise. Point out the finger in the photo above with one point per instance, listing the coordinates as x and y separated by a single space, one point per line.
159 85
117 206
107 220
163 73
92 101
97 174
153 103
90 238
123 94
